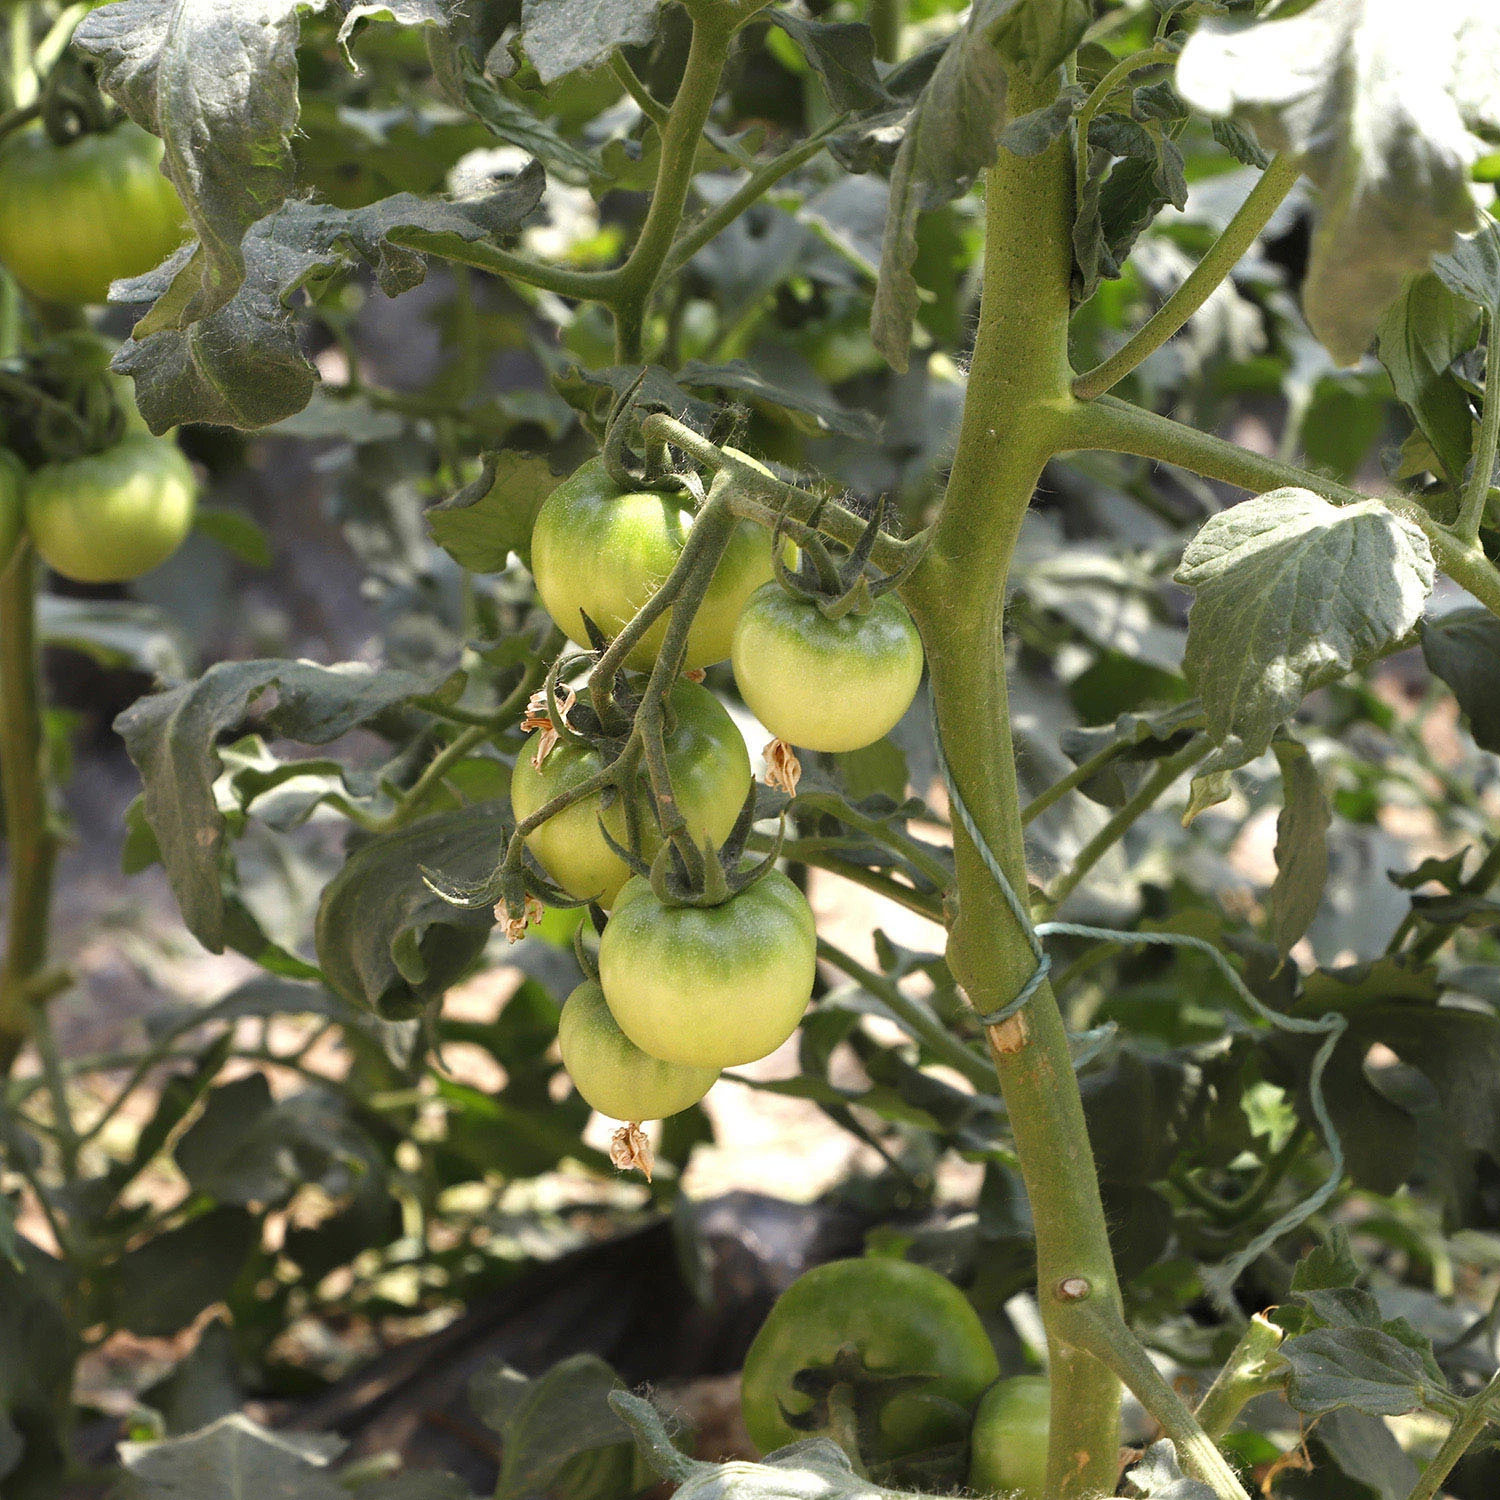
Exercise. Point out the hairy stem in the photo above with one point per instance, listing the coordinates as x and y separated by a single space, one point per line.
1250 1371
632 285
886 17
1018 384
1477 1413
31 844
1477 491
1117 427
1223 255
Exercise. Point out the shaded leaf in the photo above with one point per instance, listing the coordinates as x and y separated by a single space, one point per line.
385 939
487 520
1292 592
158 1288
1301 846
173 739
842 53
234 1459
116 633
1463 648
1158 1476
1387 129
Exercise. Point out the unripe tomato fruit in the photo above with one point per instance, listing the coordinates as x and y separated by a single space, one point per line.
709 985
897 1319
74 218
604 553
110 516
826 684
12 481
1008 1452
612 1073
709 769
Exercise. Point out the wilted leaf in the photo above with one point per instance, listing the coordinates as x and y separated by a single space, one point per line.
952 135
217 81
1292 592
1387 122
242 365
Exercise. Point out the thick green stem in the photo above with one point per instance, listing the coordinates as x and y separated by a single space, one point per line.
885 24
632 285
31 844
1223 255
1018 384
1477 491
1117 427
1477 1413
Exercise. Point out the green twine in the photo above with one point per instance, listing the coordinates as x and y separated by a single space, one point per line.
1330 1026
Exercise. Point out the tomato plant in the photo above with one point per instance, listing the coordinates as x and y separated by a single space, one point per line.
82 213
1076 424
886 1356
106 517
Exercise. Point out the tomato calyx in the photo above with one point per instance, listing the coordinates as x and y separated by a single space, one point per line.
842 585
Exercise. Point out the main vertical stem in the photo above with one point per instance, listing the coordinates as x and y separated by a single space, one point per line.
30 844
1018 395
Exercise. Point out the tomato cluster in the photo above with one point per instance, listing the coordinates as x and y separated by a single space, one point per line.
688 987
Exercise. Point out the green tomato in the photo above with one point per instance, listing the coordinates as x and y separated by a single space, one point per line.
114 515
862 1323
826 684
707 763
1008 1452
612 1073
74 218
604 553
710 985
12 517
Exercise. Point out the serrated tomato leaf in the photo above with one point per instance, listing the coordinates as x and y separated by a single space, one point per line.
1463 648
1301 846
487 520
564 36
1291 592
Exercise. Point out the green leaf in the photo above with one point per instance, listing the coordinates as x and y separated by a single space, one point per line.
842 54
173 739
158 1288
487 520
242 366
217 81
248 1148
1292 592
234 1459
1039 35
38 1348
116 633
562 36
385 939
1463 648
1472 268
1301 846
1031 134
1423 332
1387 128
1367 1451
810 411
952 135
235 532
